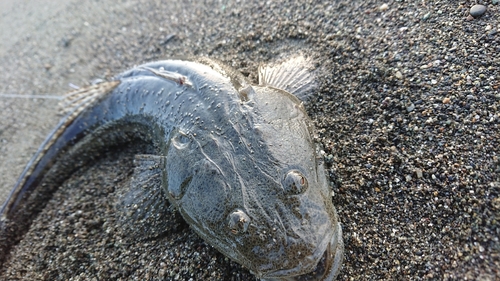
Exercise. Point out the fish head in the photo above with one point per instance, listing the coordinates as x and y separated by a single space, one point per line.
294 231
258 192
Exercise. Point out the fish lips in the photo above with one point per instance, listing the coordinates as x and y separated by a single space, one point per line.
326 268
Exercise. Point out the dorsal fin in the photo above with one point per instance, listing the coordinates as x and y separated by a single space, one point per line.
292 75
78 100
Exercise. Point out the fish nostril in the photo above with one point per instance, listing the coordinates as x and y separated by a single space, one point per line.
238 222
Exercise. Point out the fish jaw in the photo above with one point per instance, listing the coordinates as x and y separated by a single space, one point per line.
327 267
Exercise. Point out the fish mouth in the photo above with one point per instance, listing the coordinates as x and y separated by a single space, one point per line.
328 265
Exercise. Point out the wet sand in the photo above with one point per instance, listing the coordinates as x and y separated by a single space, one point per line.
407 112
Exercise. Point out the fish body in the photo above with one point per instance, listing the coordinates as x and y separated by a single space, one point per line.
237 160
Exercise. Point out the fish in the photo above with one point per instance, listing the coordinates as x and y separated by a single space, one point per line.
237 160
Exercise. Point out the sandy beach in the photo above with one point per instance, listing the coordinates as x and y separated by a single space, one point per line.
407 111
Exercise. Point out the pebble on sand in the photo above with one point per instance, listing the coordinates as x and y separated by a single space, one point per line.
383 7
477 10
399 75
419 173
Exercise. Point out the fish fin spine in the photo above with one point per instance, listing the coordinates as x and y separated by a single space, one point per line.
78 100
293 75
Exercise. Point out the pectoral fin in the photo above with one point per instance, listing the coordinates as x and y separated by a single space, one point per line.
143 209
293 75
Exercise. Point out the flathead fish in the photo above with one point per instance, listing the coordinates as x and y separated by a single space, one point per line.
236 160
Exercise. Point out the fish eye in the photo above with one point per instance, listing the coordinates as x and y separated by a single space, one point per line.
238 222
294 182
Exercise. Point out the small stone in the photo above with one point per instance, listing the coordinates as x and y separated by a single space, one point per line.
477 10
383 7
419 173
398 75
446 100
410 107
494 2
495 202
